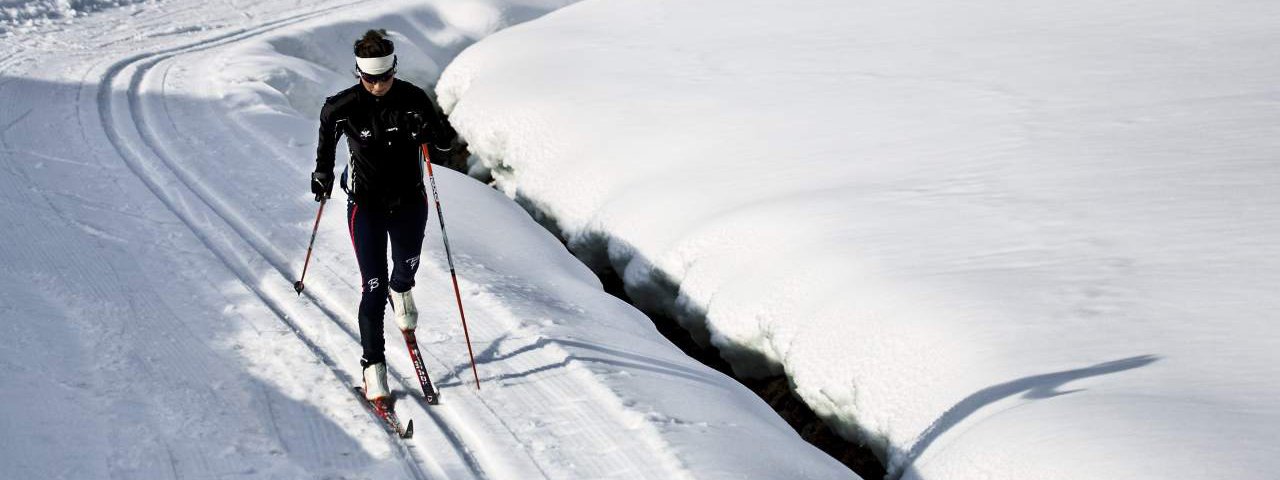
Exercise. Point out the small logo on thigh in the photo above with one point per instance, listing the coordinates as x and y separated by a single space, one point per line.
413 262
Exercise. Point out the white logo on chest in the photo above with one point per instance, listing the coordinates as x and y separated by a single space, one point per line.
365 133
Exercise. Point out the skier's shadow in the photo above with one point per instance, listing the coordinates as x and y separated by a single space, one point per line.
1036 387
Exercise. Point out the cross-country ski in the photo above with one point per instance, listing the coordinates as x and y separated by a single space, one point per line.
429 391
384 409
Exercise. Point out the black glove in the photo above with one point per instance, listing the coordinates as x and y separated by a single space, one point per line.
321 184
441 136
417 126
447 137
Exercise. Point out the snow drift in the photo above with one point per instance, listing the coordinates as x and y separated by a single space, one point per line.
998 240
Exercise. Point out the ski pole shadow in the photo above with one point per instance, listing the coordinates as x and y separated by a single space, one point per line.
607 356
1035 387
489 354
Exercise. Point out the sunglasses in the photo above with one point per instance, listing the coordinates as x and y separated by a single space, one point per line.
379 78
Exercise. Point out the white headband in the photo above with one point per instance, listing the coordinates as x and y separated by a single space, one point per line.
376 65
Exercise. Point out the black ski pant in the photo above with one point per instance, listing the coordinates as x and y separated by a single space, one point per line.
371 228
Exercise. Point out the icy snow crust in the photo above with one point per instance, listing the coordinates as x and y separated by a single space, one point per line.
153 172
996 239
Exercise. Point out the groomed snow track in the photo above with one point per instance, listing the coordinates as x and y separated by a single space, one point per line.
131 104
128 131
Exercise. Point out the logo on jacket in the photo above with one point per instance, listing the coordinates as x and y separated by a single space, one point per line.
365 133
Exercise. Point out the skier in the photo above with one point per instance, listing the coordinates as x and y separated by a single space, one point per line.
385 120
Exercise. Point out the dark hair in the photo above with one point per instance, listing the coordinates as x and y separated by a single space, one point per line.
374 44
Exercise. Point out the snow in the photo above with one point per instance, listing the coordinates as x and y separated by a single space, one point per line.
153 192
996 240
27 13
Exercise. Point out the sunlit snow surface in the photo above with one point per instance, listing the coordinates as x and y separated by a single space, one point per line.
154 162
998 239
28 13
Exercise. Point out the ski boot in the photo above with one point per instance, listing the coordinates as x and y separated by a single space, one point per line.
379 399
375 382
406 312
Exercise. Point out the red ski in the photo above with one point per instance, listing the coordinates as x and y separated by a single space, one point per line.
384 409
428 389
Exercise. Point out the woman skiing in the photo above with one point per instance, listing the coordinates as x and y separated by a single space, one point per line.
385 121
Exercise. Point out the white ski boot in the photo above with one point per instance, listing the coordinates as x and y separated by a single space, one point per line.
406 312
375 382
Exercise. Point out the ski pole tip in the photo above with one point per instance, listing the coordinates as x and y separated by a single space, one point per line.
297 287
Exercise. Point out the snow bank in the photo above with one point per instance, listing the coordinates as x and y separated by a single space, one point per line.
1031 240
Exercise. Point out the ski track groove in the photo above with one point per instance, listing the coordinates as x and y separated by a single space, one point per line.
133 160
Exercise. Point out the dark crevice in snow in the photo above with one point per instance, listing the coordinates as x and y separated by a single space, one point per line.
775 390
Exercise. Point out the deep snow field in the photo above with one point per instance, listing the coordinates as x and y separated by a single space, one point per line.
1016 240
156 212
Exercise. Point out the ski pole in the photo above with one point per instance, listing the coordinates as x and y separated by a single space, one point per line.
297 286
426 158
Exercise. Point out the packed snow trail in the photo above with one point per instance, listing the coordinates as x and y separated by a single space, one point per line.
156 210
131 134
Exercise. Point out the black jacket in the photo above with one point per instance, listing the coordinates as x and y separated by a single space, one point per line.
384 135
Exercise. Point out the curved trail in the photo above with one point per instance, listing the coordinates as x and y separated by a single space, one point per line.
119 110
134 107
